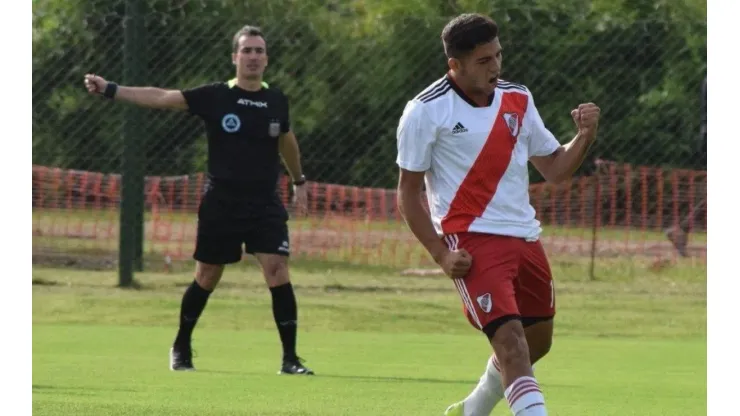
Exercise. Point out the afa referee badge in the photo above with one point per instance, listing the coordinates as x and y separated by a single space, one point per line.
274 130
231 123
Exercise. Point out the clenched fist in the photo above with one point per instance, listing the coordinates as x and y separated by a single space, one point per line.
95 84
586 117
456 263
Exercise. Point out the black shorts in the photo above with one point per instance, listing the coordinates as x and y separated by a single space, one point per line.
229 227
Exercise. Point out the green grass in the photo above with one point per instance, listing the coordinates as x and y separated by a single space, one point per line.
631 343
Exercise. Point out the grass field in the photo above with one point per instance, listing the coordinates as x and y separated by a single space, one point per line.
627 344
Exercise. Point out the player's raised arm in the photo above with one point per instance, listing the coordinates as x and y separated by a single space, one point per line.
556 162
151 97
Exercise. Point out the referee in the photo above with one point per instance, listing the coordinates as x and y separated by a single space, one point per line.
248 129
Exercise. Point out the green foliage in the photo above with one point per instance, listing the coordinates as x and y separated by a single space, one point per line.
350 66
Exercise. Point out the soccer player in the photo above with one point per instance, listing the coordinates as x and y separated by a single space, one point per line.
469 137
248 130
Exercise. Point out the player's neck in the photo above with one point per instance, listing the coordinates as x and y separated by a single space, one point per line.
481 99
249 84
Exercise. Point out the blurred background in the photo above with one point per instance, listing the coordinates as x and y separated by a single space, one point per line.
348 68
116 191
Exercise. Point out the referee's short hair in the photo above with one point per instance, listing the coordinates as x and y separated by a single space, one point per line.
465 32
247 30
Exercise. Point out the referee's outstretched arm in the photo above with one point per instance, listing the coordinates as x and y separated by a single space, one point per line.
151 97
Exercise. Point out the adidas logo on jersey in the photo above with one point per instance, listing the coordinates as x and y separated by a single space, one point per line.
459 128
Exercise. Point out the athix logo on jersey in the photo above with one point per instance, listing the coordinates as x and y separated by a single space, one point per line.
231 123
512 122
484 301
250 103
459 128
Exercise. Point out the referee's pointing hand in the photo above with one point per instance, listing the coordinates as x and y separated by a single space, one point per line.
95 84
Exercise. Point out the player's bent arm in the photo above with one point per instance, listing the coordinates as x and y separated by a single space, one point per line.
152 97
291 154
417 218
564 161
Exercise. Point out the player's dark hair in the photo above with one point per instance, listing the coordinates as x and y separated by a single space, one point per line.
246 31
463 33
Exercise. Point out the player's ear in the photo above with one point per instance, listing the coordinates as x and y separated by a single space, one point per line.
233 58
453 63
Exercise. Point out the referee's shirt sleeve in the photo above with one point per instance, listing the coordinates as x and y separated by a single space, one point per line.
415 136
201 99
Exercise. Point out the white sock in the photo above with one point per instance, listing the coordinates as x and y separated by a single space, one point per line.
525 397
487 393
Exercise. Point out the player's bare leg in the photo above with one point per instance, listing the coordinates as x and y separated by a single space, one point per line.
490 389
284 309
194 301
521 389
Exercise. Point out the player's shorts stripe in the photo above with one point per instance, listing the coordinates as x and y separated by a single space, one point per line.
432 89
453 242
465 296
479 187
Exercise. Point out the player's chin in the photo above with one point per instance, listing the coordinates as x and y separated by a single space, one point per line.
489 88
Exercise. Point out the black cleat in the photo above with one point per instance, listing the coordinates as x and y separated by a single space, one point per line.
294 366
181 359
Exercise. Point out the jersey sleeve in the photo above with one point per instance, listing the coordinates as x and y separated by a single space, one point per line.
201 99
415 136
541 141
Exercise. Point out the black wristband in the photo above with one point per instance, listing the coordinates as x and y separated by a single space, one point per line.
110 90
300 181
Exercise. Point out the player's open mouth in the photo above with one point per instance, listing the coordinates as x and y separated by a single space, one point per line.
493 81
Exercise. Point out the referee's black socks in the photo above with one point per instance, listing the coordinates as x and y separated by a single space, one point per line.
193 302
285 311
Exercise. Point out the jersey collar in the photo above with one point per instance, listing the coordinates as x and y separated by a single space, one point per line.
464 96
232 83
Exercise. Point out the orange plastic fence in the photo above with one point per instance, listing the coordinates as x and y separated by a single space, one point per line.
622 210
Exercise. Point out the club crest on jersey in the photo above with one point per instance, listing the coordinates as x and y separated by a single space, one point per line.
512 122
485 303
274 130
231 123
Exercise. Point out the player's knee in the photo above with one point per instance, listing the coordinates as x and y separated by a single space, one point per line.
208 275
510 345
539 349
539 336
275 270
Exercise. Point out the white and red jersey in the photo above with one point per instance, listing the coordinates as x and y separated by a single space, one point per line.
475 158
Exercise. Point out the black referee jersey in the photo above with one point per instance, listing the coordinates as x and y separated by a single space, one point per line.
242 128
